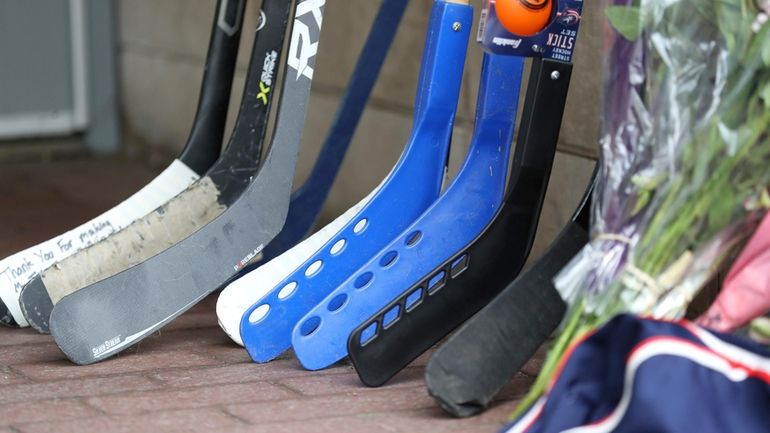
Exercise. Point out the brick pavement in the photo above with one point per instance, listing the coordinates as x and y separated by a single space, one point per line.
188 377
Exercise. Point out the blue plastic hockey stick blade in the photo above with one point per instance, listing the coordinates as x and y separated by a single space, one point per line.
109 316
453 221
481 270
411 187
307 200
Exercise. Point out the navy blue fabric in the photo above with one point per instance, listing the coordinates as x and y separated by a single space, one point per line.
670 393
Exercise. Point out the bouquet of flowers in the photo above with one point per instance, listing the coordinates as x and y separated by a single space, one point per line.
684 160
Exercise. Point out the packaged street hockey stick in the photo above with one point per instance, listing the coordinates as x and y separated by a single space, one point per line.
455 219
200 152
480 269
107 317
191 209
285 253
410 188
531 28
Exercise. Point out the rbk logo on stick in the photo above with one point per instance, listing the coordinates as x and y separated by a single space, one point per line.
304 43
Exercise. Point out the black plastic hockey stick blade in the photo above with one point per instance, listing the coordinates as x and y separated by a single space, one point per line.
486 352
107 317
480 271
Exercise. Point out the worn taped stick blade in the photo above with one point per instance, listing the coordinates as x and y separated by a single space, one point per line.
105 318
484 354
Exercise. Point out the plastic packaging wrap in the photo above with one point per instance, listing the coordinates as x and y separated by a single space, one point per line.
684 153
684 160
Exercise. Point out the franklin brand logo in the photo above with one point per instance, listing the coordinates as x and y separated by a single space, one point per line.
505 42
268 69
303 48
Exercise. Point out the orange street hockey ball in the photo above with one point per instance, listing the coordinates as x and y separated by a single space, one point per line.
524 17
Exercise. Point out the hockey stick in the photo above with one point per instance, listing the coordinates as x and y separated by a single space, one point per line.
111 315
410 188
285 253
200 152
486 352
191 209
476 273
306 202
481 269
453 221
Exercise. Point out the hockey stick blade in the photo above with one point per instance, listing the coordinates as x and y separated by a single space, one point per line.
475 274
107 317
465 373
191 209
285 253
307 200
454 220
200 152
266 327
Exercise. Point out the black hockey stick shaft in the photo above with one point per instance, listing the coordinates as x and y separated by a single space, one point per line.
205 140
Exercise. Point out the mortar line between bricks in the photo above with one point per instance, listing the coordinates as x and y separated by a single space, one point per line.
288 388
141 373
232 415
84 401
144 373
19 373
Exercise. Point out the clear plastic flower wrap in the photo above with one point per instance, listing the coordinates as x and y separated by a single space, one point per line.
684 158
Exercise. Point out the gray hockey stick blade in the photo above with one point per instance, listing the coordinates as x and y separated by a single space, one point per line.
199 154
185 212
107 317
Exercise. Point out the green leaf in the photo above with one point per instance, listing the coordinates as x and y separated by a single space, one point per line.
764 93
766 48
626 20
721 213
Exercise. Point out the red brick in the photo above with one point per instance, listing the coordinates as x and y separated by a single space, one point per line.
358 424
122 364
74 388
47 410
9 377
337 405
183 421
343 383
150 401
434 420
13 336
535 364
516 388
237 373
19 354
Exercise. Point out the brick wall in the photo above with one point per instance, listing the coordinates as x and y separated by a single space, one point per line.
163 45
